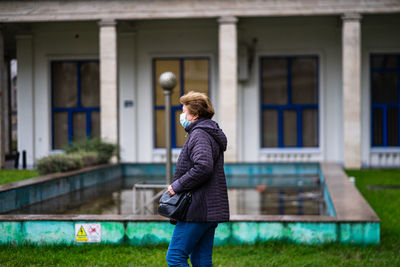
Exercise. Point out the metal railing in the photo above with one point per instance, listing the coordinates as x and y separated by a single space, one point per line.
143 206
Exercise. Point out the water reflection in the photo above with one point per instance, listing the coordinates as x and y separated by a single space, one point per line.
255 196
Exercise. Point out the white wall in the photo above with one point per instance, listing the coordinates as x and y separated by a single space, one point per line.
137 46
26 120
380 34
127 92
294 36
180 38
142 41
276 36
50 41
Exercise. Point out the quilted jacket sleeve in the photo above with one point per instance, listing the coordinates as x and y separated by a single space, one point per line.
201 156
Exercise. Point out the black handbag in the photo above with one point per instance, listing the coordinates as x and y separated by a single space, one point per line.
174 207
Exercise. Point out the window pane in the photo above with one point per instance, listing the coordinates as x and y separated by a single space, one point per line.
310 128
60 126
196 78
90 88
274 81
270 128
64 84
289 128
179 130
304 81
384 87
378 127
79 126
384 61
196 75
160 128
393 126
161 66
95 124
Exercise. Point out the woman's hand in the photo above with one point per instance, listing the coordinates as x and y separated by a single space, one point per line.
171 191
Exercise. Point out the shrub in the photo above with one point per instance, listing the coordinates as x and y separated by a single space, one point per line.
104 150
59 163
78 155
89 158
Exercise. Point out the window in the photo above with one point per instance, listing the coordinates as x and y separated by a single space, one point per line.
385 100
289 101
192 75
75 101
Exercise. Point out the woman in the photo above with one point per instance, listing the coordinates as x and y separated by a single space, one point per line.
199 169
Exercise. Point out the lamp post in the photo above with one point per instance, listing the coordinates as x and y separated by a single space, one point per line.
167 81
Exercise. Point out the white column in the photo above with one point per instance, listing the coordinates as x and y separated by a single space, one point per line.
2 90
127 100
108 81
351 75
25 98
228 84
6 107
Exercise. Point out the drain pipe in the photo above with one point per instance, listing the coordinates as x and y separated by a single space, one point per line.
167 81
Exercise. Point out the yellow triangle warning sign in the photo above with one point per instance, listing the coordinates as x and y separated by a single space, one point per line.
81 232
87 232
81 236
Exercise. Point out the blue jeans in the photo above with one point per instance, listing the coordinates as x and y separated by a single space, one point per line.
194 239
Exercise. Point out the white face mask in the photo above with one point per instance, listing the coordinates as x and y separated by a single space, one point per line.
182 119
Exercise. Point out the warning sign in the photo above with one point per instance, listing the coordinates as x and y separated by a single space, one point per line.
81 236
88 233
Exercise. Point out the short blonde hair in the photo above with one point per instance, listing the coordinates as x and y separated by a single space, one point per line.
198 104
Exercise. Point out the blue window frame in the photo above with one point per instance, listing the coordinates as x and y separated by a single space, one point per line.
75 101
193 74
289 101
385 100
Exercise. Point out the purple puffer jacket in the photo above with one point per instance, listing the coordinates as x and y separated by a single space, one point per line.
200 169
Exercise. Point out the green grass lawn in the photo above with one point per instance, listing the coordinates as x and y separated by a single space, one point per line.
385 202
10 176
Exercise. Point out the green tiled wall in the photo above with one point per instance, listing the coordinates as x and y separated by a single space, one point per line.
10 232
360 233
47 232
143 233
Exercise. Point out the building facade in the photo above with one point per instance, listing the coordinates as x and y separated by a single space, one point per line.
291 81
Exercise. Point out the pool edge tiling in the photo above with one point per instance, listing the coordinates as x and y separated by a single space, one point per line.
19 194
355 222
160 232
